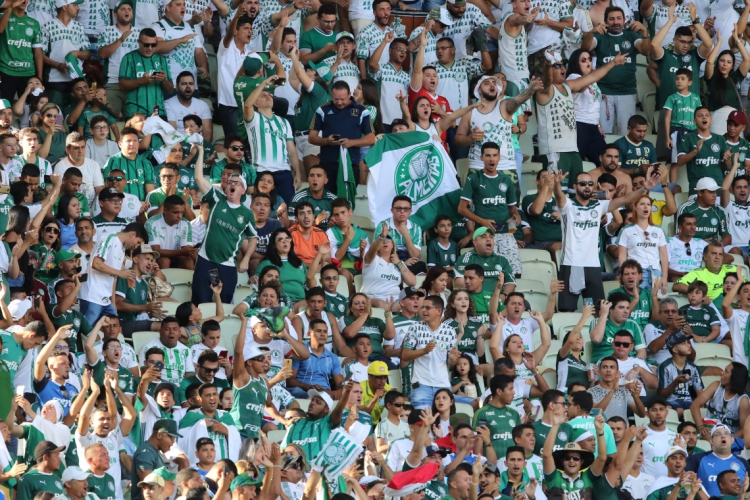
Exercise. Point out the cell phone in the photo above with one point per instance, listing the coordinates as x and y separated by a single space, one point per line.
48 179
213 274
588 301
288 363
223 354
600 195
595 411
83 278
155 109
77 270
481 422
30 397
159 365
336 137
279 82
20 390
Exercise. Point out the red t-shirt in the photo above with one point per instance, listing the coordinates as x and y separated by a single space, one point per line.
442 101
446 442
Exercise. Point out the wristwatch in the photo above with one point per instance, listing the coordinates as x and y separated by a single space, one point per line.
697 20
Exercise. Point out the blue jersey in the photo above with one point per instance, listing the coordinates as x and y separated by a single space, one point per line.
47 390
708 466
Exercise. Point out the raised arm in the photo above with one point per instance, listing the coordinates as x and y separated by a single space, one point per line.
580 84
711 61
657 51
374 61
40 368
239 372
203 185
416 72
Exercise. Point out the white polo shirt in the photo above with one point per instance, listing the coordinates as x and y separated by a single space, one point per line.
176 111
98 288
229 60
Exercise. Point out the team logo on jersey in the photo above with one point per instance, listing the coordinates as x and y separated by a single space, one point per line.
111 486
706 316
419 173
58 484
579 483
512 422
122 383
562 436
185 179
715 148
735 466
626 45
29 32
654 235
714 221
342 307
594 214
77 322
240 219
503 187
686 58
131 205
742 156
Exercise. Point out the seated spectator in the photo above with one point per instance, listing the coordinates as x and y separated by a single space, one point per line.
71 185
169 184
701 320
685 252
211 335
54 385
319 198
321 372
679 379
136 311
99 147
612 399
724 400
493 264
316 300
336 303
441 250
642 299
348 242
51 136
406 235
632 369
187 103
190 317
689 432
62 313
261 207
267 275
384 272
356 369
178 362
132 207
665 321
359 320
543 216
292 271
614 315
112 330
235 155
92 180
308 238
109 221
635 151
712 273
265 183
460 313
170 234
711 467
737 187
609 163
711 219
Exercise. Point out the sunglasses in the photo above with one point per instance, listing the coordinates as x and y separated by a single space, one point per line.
584 59
402 405
149 45
115 178
51 229
259 359
586 183
331 278
558 66
574 458
621 344
213 370
688 250
49 115
237 148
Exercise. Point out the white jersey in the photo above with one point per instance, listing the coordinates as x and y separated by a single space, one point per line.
369 39
182 57
146 13
496 129
381 279
737 326
98 288
177 361
643 245
128 359
655 449
347 71
392 81
660 16
557 123
512 57
17 163
429 50
453 80
587 102
738 222
286 91
200 348
268 138
431 369
279 349
113 443
524 329
462 27
169 237
93 16
60 40
580 232
229 60
639 486
176 111
544 37
679 260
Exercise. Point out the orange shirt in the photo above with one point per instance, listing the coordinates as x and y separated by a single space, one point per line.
307 249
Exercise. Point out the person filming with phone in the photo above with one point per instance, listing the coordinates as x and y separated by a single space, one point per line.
145 77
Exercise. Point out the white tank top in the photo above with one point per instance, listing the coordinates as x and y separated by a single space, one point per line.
587 102
512 57
557 123
432 129
381 279
496 129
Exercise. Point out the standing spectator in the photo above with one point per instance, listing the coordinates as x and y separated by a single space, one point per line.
587 104
371 36
233 49
47 456
92 180
737 318
145 77
149 456
179 43
307 237
675 385
702 152
21 43
320 42
618 87
51 134
736 207
685 252
722 80
184 104
264 226
463 18
292 271
391 75
612 399
383 272
680 111
512 54
711 219
53 385
659 440
543 216
645 243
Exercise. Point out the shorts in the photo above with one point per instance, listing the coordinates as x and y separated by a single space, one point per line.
679 403
304 148
542 245
505 245
568 301
743 249
676 134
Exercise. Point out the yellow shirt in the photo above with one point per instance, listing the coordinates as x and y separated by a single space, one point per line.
377 411
715 282
657 212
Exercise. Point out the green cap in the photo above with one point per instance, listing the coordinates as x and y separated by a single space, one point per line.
168 426
254 63
4 104
323 70
344 34
124 2
480 231
243 480
64 255
164 472
459 418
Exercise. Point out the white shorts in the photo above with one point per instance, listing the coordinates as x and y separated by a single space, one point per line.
304 148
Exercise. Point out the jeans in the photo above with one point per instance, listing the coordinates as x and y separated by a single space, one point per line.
460 152
519 167
619 109
201 282
228 116
428 5
422 396
59 92
284 181
648 274
298 393
93 312
12 85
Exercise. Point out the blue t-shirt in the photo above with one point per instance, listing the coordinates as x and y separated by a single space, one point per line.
48 390
318 369
708 466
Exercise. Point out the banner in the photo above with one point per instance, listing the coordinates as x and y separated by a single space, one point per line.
415 165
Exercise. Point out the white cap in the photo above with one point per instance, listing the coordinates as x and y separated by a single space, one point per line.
74 474
498 82
676 449
707 183
19 308
59 4
718 427
322 395
445 16
252 351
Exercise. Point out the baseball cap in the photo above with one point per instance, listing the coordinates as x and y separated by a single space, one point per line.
164 386
252 351
378 369
491 468
4 104
675 338
737 117
44 448
580 434
441 15
19 308
165 474
322 395
480 231
168 426
707 183
720 426
59 4
254 62
675 450
434 449
457 2
124 2
344 34
74 474
657 401
323 70
243 480
410 291
63 255
459 418
415 418
145 248
109 193
399 121
152 478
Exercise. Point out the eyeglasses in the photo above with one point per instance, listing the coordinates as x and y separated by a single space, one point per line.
149 45
574 458
558 66
115 178
399 49
211 370
684 42
171 176
586 183
621 344
293 467
237 148
285 239
562 403
115 348
330 278
51 229
401 209
116 201
101 127
65 393
688 250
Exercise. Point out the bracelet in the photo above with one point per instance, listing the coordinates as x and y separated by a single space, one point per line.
600 434
400 265
387 314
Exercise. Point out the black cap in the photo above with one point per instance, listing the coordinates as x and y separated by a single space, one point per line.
45 448
415 417
162 386
168 426
491 468
109 193
657 401
410 291
436 450
289 460
399 121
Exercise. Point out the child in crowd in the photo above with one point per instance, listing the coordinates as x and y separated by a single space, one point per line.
392 428
679 111
442 251
194 125
190 318
97 107
464 377
357 368
206 453
702 320
98 146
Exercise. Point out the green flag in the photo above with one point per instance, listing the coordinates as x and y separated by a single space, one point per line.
346 185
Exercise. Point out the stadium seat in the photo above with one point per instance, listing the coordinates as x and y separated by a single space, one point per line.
229 328
376 312
738 260
182 293
644 88
209 309
712 355
394 379
681 300
610 138
242 292
563 322
242 279
465 408
542 271
462 169
276 436
688 416
304 404
609 286
537 300
357 282
681 198
673 420
528 181
533 255
550 359
588 166
648 103
550 376
709 379
703 445
170 307
178 276
524 285
142 338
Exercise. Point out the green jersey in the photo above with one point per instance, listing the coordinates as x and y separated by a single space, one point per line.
226 228
138 172
586 486
292 278
363 418
545 226
741 147
683 109
352 253
642 312
47 269
144 98
220 383
500 422
668 65
632 155
311 435
482 305
468 343
711 222
373 328
437 255
208 150
319 205
137 295
663 494
621 79
336 305
21 36
6 203
6 387
435 490
33 482
701 319
102 486
248 171
490 196
125 379
221 442
13 354
81 325
541 431
708 161
248 405
305 110
243 87
315 39
604 348
492 265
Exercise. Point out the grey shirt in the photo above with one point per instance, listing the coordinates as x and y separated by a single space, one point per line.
618 405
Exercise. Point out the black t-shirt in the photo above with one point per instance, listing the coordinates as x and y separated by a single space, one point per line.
264 234
721 93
